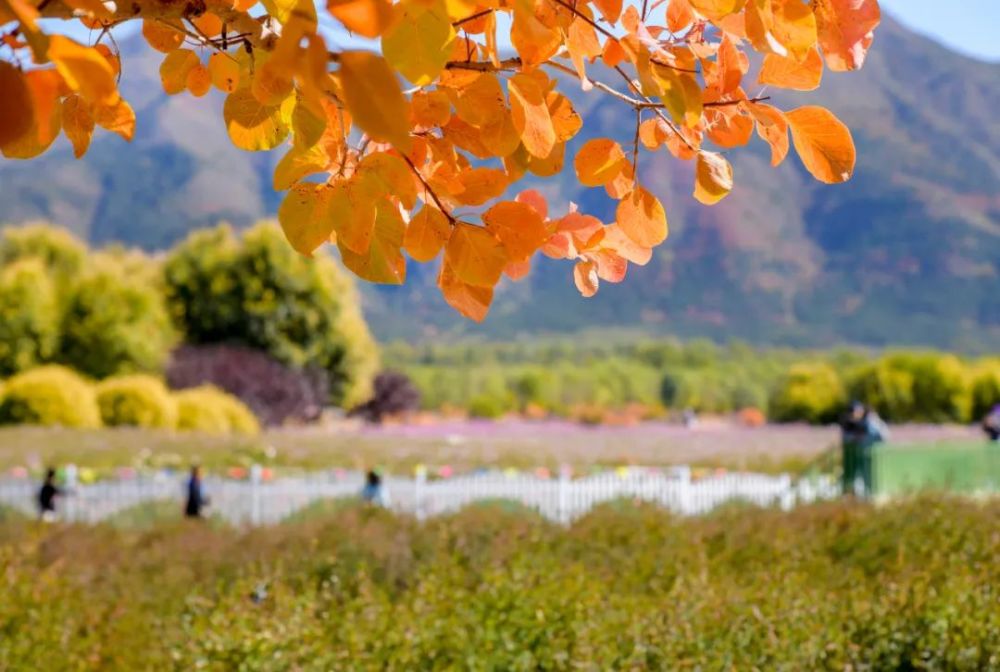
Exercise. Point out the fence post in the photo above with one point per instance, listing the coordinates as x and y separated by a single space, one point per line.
788 493
685 498
564 484
255 474
419 484
70 474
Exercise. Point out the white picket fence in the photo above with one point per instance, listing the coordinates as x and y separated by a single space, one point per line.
563 499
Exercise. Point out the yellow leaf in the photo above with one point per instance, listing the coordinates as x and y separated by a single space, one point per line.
272 82
306 216
680 93
368 18
585 277
16 112
476 256
713 178
551 164
225 72
679 15
772 127
298 163
518 226
481 102
475 186
781 27
162 35
427 233
470 301
283 10
716 10
419 42
823 143
530 114
199 81
374 98
383 262
391 176
118 118
307 126
565 120
846 29
252 126
598 162
78 124
641 217
356 227
84 69
175 68
788 73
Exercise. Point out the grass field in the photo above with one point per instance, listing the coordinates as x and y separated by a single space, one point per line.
911 586
462 445
955 466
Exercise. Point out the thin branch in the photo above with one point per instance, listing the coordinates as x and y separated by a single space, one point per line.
587 19
723 103
635 143
659 112
472 17
429 190
485 66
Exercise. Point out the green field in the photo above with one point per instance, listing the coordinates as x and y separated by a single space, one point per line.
955 466
910 586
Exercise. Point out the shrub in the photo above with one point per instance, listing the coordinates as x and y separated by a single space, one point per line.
985 388
59 251
887 389
49 395
256 291
941 390
114 324
274 392
487 406
210 410
809 393
394 394
137 401
29 317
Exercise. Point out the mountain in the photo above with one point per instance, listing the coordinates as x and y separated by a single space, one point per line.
907 252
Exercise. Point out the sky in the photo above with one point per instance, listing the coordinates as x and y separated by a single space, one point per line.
967 26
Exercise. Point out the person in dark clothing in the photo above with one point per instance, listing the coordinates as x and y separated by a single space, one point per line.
196 499
862 428
991 424
374 492
47 496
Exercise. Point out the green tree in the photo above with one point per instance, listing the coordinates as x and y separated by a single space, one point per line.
256 291
985 388
63 255
941 390
29 316
887 389
810 392
114 324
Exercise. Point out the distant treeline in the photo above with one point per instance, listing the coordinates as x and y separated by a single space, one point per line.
572 379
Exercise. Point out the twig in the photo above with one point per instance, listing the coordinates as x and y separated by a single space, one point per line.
429 190
471 17
587 19
635 143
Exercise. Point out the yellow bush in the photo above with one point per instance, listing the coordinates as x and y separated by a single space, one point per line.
208 409
49 395
137 401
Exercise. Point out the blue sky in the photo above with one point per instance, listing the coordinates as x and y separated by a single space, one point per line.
967 26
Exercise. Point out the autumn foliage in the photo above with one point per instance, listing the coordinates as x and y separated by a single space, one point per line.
415 150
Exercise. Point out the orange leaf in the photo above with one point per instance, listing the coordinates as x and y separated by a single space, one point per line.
391 175
788 73
93 7
383 262
598 162
44 88
823 143
846 29
518 226
368 18
642 218
535 200
475 186
78 124
534 41
209 24
431 108
565 120
372 94
481 102
471 301
531 114
713 178
585 277
199 81
729 128
225 72
475 255
610 9
162 35
772 127
356 226
16 112
679 15
611 267
84 69
517 270
175 68
551 164
615 239
427 233
118 118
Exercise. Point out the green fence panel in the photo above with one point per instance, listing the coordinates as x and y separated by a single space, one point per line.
952 466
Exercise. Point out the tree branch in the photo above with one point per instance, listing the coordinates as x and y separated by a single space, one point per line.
472 17
429 190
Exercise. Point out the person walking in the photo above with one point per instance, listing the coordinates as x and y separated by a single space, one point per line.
861 429
196 499
47 497
374 491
